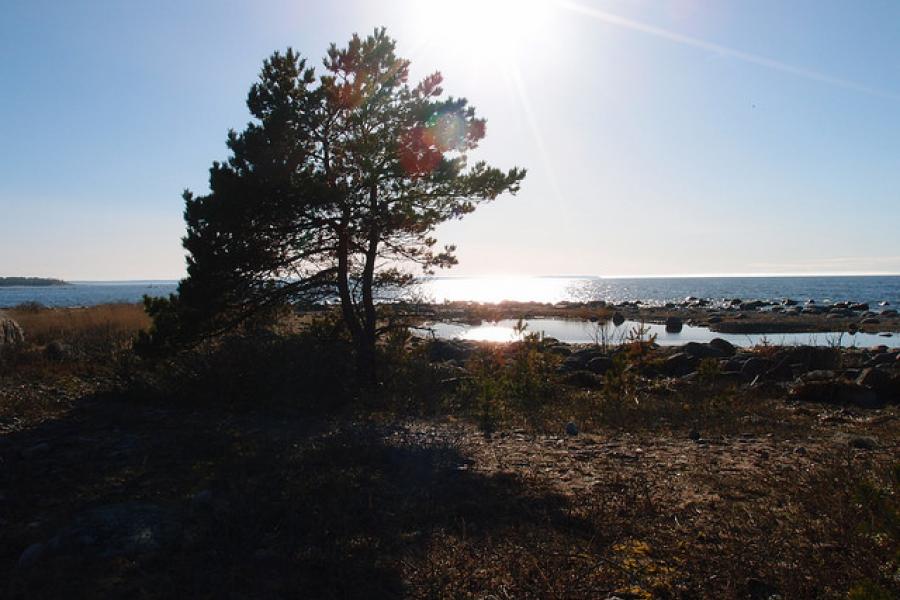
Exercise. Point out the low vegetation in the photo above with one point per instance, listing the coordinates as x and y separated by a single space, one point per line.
259 466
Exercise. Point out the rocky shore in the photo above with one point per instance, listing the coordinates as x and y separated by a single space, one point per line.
728 316
865 378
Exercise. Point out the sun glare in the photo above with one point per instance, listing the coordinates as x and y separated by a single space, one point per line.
498 27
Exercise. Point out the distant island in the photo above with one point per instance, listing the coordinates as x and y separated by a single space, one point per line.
30 282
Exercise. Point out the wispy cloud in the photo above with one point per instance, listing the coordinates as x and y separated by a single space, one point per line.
701 44
842 264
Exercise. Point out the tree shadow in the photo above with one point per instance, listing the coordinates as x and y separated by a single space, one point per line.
261 505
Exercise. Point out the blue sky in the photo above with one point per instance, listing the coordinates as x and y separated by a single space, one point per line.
661 137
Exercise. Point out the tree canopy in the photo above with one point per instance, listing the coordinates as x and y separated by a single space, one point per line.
333 190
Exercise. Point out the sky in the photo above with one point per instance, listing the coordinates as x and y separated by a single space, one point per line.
661 137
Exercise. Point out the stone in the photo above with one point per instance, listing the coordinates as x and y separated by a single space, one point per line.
859 307
699 350
128 529
755 366
600 365
444 350
31 555
863 442
571 429
679 364
57 351
724 346
673 324
36 450
874 378
752 305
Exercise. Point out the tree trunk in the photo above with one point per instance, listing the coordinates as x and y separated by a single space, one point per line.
370 320
364 358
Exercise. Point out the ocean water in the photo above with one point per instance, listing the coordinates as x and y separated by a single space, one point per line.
85 293
653 291
584 332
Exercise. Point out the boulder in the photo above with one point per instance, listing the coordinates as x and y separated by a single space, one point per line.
698 350
600 365
873 378
679 364
724 346
755 366
673 324
837 392
444 350
752 305
126 530
859 307
617 319
57 351
889 313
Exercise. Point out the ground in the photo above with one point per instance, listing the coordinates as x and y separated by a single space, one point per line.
106 496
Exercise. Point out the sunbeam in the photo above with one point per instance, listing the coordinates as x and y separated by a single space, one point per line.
755 59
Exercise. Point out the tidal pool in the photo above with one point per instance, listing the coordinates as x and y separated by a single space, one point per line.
585 332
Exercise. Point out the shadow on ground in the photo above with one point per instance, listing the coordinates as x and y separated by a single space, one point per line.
121 499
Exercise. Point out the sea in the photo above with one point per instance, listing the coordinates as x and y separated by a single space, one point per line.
871 289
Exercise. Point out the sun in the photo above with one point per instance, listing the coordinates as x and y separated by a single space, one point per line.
494 27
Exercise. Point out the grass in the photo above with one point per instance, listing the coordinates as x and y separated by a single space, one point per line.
80 325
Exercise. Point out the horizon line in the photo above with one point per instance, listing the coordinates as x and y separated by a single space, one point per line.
546 276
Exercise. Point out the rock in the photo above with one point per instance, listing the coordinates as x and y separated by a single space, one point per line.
859 307
679 364
10 332
36 450
881 358
571 429
752 305
819 375
760 590
863 442
694 435
583 379
31 555
119 530
723 346
755 366
837 392
202 500
560 349
699 350
870 321
714 319
444 350
673 324
889 313
57 351
600 365
617 319
874 378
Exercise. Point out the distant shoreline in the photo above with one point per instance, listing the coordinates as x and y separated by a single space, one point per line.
30 282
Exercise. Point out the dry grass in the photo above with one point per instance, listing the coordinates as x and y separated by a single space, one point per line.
44 325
